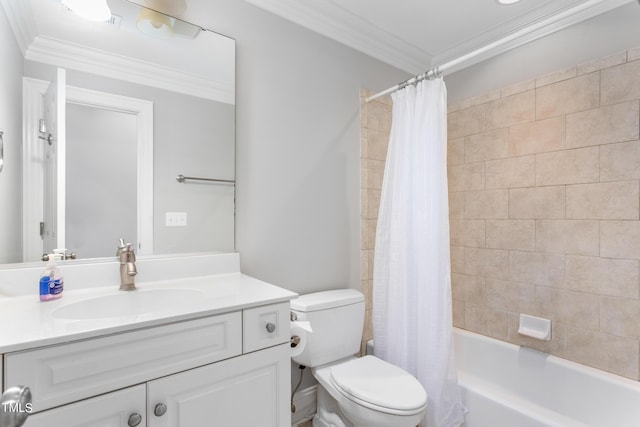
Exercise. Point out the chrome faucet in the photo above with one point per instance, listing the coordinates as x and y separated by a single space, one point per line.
128 269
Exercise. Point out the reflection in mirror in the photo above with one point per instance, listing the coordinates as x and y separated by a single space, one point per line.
149 97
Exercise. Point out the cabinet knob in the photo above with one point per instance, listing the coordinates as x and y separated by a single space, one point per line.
271 327
160 409
134 419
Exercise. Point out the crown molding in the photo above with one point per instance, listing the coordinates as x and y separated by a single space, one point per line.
78 57
492 44
339 24
20 21
350 29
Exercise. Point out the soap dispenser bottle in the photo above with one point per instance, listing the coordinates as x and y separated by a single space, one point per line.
51 281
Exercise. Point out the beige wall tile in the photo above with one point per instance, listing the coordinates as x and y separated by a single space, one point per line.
492 323
467 232
518 88
620 239
375 173
378 116
578 237
364 265
621 83
491 263
611 200
568 96
466 177
458 313
614 123
557 76
509 296
456 205
620 162
460 105
603 276
600 64
633 54
466 122
364 203
364 235
620 316
486 145
537 268
567 167
603 351
373 199
512 110
537 203
457 259
468 288
486 204
364 143
511 234
377 144
485 97
569 307
511 172
455 151
537 137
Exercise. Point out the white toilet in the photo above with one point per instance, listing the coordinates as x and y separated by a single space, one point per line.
352 392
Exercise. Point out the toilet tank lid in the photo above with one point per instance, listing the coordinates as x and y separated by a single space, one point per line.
326 299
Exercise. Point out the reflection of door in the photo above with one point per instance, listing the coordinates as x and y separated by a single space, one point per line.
54 157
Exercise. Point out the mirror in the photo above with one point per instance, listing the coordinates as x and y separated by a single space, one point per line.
147 97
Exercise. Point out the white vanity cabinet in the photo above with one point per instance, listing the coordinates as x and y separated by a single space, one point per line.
230 369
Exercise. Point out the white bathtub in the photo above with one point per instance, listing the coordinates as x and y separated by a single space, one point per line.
504 385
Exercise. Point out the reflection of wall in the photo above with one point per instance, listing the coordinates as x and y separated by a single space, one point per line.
101 180
193 137
11 124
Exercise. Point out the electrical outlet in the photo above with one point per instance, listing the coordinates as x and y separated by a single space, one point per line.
176 219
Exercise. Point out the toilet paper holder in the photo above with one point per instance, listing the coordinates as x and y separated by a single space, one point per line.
295 340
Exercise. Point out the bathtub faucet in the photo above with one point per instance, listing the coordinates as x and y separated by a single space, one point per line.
128 269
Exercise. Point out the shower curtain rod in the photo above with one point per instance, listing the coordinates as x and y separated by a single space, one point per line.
432 72
493 46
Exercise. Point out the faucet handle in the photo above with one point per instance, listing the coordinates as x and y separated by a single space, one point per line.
121 247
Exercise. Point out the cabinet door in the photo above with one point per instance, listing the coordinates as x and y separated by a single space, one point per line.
246 391
109 410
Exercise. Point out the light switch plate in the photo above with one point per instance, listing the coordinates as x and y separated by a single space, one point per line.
176 219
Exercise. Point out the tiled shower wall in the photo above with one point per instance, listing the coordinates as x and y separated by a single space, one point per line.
544 181
375 119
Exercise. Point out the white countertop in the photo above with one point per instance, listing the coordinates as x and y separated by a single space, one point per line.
26 322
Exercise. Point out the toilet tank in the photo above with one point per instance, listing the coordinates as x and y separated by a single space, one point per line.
336 319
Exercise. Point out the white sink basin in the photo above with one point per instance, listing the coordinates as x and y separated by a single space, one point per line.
130 303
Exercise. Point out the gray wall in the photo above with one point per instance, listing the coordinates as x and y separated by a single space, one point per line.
298 119
610 33
11 125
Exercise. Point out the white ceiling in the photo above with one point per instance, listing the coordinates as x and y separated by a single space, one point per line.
417 35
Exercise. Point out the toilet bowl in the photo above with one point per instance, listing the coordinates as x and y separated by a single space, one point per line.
353 392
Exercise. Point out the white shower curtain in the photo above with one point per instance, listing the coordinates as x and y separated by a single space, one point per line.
412 325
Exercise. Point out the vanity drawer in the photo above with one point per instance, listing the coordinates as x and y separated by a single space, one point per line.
265 326
65 373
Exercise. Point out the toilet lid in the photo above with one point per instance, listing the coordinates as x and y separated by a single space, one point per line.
379 384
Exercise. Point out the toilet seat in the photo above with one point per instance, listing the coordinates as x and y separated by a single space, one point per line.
378 385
